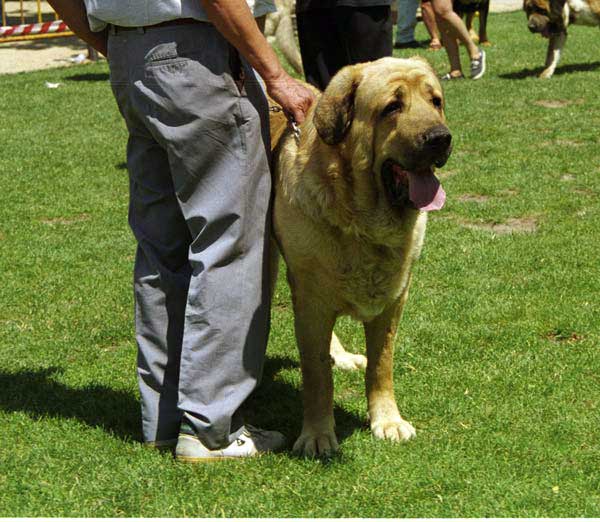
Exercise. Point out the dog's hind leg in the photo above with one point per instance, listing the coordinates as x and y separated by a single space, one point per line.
344 360
384 417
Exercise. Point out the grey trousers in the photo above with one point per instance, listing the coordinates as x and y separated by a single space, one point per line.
198 161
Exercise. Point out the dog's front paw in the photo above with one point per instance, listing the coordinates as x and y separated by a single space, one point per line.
316 444
396 430
546 74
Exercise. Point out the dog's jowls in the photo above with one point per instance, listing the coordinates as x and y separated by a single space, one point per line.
350 209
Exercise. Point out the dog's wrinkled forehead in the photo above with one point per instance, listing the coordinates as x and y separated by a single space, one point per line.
381 77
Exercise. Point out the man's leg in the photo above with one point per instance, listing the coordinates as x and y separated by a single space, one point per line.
214 141
162 270
322 50
367 32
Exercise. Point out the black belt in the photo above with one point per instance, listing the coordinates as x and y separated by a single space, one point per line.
142 29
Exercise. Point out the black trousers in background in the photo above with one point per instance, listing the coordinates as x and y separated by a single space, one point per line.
331 38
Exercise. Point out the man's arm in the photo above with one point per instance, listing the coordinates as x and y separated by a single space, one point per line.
235 22
73 13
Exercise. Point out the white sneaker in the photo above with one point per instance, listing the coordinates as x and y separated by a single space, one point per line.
252 442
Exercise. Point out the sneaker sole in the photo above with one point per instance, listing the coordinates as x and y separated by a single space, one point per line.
482 72
196 460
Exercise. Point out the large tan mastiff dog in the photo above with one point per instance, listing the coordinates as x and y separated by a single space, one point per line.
351 201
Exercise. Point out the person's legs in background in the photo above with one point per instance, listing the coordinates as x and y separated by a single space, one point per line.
452 28
323 53
366 32
405 25
429 20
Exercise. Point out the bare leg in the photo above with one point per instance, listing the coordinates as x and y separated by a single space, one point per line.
451 47
452 28
431 25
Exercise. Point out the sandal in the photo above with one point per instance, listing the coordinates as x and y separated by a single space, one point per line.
447 77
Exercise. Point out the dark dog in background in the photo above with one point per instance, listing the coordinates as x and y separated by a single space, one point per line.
541 16
467 9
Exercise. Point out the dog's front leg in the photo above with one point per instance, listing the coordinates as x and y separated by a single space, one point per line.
555 46
385 419
314 326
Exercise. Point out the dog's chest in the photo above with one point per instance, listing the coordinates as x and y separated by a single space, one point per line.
373 277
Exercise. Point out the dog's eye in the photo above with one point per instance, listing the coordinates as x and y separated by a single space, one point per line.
437 102
392 107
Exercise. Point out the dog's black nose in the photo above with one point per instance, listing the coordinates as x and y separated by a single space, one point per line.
436 145
436 138
532 27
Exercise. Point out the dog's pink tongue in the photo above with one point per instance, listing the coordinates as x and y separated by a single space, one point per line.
425 191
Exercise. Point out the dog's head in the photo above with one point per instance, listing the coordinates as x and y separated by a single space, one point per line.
386 119
538 15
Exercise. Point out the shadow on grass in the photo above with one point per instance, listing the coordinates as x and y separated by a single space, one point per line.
560 70
39 394
89 77
278 405
275 404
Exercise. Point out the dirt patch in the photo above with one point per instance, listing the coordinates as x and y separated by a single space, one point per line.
508 192
472 198
557 104
65 220
567 177
560 336
584 192
31 55
524 225
563 143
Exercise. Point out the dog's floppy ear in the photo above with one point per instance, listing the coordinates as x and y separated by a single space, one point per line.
335 110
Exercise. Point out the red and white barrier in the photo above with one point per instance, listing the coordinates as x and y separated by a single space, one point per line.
58 26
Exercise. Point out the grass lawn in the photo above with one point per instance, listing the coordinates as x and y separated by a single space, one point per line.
497 361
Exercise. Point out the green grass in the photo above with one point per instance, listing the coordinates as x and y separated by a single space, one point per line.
497 359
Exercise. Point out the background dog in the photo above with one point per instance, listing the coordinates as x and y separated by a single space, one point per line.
350 211
467 9
579 12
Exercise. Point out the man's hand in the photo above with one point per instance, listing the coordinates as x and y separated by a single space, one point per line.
235 22
295 98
